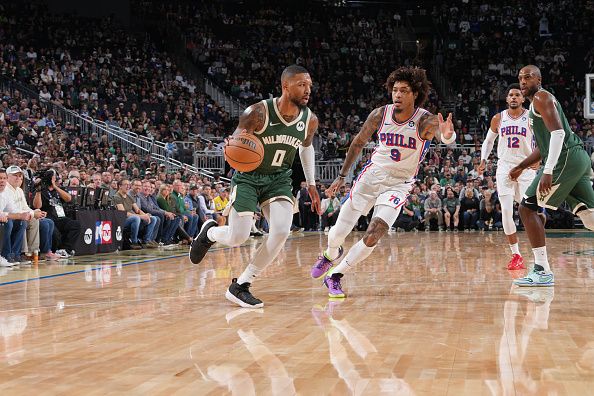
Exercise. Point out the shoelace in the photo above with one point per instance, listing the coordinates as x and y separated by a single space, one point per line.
321 262
336 283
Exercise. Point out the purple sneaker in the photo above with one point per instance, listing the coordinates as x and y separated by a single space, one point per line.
323 265
333 284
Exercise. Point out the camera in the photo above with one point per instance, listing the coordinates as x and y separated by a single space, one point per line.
43 179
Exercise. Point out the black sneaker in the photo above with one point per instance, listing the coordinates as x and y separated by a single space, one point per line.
240 295
201 243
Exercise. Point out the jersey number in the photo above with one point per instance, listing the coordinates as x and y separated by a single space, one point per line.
395 155
513 142
277 160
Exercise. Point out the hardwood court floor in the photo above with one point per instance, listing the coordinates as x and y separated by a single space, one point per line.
426 314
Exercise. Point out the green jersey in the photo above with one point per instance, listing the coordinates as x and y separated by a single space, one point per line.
543 136
281 139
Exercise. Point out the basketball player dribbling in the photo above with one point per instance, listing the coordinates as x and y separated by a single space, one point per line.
565 175
515 144
405 131
284 125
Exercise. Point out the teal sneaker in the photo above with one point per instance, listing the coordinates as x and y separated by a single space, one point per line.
536 278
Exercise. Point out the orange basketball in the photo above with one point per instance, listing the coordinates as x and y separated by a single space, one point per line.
244 152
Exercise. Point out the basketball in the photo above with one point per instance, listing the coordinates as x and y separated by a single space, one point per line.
244 152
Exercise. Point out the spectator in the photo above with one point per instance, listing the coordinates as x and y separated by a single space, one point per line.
330 207
168 222
433 211
134 217
12 227
164 200
178 204
50 198
220 203
39 229
134 192
451 210
469 205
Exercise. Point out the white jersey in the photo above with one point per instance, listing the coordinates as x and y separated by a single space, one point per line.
400 149
516 140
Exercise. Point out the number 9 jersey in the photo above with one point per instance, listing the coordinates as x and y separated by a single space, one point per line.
401 149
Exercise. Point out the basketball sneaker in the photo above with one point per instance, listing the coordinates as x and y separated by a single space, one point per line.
201 243
323 265
536 278
332 282
240 295
516 263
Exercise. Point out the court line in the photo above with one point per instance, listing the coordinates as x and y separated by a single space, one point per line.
124 265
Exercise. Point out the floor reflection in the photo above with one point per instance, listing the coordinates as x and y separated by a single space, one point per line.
344 340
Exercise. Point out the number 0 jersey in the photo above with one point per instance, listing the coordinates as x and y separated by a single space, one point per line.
516 140
400 149
281 139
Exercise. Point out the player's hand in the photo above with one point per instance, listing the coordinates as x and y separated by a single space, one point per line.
515 173
315 199
482 167
446 127
546 181
336 184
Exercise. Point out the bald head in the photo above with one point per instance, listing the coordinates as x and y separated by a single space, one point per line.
530 80
531 69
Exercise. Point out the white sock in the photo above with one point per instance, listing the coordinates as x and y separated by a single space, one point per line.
515 249
540 258
210 234
249 274
331 253
356 254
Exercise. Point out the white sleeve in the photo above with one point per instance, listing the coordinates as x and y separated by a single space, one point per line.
308 161
555 147
488 144
324 205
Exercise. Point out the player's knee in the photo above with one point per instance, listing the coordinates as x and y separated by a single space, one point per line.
376 230
237 238
279 236
529 205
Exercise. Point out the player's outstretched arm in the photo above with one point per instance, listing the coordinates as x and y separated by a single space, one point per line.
489 141
369 127
308 162
544 104
252 119
431 126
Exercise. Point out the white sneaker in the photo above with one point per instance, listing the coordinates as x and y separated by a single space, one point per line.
5 263
62 253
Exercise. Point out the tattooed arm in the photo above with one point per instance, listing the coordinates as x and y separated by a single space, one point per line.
311 130
252 119
369 127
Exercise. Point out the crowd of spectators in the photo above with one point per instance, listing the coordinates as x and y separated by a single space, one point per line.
95 67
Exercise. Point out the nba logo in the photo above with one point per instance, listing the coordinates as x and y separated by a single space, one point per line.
103 233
